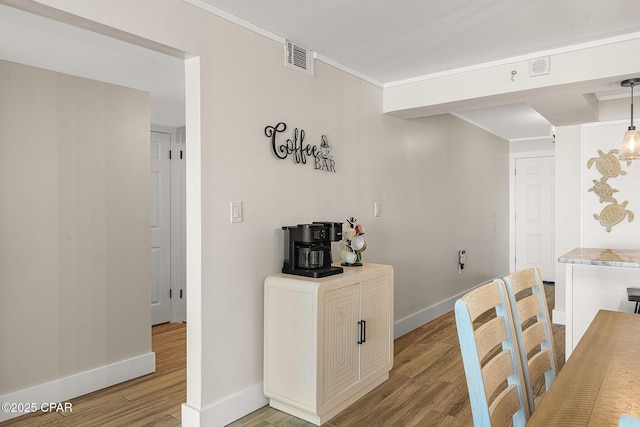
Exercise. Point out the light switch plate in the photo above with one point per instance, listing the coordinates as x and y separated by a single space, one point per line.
236 211
377 209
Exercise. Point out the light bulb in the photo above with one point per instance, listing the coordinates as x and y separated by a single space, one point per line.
630 148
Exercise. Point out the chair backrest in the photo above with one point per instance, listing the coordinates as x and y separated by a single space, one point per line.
628 421
533 328
492 364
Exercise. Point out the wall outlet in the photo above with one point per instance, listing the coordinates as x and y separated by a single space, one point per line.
462 259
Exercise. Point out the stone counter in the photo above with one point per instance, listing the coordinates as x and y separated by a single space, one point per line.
604 257
596 278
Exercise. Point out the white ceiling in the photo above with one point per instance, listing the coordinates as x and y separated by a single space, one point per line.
385 41
391 41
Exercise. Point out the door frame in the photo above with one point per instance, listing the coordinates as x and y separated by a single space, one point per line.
512 198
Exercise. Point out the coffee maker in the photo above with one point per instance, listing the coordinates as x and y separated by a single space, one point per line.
307 249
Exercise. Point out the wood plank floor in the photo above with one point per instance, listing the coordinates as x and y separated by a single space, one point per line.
426 388
151 400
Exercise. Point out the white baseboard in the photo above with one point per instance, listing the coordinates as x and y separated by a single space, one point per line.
558 317
423 316
428 314
81 383
227 410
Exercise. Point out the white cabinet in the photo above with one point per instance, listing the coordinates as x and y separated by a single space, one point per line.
328 341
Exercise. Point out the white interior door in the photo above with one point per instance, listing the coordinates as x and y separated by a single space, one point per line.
535 215
160 227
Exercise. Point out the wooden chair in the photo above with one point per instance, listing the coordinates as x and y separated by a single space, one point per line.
533 328
492 364
628 421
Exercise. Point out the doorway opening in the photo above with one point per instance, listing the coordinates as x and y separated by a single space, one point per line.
37 48
167 168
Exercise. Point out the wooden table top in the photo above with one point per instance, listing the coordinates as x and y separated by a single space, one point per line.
601 379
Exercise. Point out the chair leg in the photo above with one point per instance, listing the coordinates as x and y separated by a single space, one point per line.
636 310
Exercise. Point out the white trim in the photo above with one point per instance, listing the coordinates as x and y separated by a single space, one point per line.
550 52
605 123
425 315
227 410
81 383
190 416
179 215
235 20
461 117
193 251
533 138
348 70
428 314
558 317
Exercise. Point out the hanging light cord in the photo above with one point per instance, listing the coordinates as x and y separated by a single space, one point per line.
632 127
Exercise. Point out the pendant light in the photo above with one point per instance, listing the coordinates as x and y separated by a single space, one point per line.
630 148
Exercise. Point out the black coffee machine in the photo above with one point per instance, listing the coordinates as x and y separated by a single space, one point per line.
307 248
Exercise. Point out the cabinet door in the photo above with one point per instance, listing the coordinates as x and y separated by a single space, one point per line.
376 312
340 337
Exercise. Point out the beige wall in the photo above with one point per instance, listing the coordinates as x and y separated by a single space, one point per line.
442 184
448 190
74 225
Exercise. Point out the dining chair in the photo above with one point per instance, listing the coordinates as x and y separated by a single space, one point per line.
492 365
533 328
627 420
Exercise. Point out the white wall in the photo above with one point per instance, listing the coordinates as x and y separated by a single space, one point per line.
571 165
567 201
604 137
442 184
74 245
530 146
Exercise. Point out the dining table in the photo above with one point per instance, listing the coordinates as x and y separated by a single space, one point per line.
601 379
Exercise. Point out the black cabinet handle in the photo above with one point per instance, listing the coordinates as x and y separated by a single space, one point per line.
362 324
364 331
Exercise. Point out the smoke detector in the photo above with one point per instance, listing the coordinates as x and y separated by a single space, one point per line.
297 57
539 66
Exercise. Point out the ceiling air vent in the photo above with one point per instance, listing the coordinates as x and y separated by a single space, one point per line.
299 58
539 66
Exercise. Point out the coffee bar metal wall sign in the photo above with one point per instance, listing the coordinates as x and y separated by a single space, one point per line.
295 147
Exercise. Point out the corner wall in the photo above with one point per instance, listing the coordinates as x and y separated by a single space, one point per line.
446 189
74 234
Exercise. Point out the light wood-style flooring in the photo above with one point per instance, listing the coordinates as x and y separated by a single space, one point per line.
151 400
426 388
